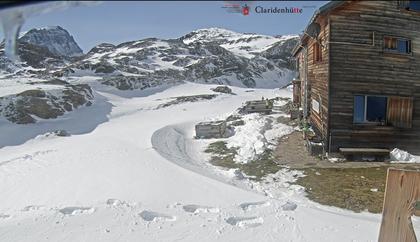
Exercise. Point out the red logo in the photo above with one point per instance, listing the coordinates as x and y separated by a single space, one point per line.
245 10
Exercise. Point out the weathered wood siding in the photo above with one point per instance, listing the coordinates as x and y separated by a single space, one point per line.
363 68
318 81
300 58
297 93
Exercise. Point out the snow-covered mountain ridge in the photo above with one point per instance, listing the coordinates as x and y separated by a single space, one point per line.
213 55
208 56
243 44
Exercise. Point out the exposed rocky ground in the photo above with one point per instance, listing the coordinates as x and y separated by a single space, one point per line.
25 107
185 99
222 89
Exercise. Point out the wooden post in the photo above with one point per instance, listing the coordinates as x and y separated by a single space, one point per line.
401 194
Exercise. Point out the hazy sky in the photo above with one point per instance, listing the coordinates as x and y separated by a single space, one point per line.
117 22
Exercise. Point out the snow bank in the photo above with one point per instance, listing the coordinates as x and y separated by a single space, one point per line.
401 156
277 130
249 138
258 134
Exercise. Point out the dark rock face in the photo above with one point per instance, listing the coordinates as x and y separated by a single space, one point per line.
51 48
280 53
56 39
147 80
222 89
37 56
104 68
184 99
25 107
62 133
33 55
101 48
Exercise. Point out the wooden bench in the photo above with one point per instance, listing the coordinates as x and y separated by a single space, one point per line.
379 154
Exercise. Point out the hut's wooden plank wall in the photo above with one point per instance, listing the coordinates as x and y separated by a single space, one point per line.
318 80
355 62
366 68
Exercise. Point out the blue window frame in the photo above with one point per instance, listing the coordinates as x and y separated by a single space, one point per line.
414 6
397 45
403 46
359 109
370 109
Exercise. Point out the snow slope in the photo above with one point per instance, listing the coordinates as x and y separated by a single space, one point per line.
244 44
109 183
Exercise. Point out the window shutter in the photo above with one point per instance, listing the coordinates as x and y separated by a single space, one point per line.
400 112
403 4
317 52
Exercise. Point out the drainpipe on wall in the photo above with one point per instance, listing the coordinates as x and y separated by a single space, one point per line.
329 134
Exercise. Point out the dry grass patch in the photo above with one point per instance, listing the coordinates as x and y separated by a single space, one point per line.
357 189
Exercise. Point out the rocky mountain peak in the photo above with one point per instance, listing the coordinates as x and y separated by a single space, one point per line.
55 38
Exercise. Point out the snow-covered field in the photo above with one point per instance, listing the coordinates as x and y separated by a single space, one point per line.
131 172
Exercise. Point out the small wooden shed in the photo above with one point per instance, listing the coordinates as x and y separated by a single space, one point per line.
208 130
